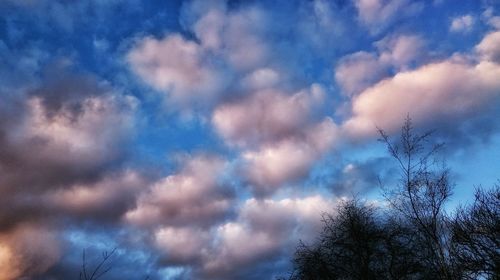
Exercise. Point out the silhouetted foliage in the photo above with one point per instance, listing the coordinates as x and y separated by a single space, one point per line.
413 237
348 245
476 235
356 243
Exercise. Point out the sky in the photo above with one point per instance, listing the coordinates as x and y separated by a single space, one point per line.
204 139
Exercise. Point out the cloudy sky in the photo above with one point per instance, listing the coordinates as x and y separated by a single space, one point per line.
203 139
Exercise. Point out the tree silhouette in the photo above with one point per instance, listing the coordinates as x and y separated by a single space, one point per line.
421 194
101 268
348 246
413 237
476 235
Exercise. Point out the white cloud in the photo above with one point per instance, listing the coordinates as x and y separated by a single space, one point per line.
462 23
377 14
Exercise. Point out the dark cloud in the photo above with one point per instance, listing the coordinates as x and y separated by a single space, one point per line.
58 143
75 129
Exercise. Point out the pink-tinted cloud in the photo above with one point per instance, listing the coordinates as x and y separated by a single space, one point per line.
444 90
274 164
265 116
65 132
377 14
87 137
263 230
27 251
183 245
249 51
260 79
401 51
360 70
195 195
178 67
234 35
489 47
210 20
108 198
279 134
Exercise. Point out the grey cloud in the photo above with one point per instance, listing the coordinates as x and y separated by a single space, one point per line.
194 196
63 132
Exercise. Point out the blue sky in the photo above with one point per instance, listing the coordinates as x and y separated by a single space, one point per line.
203 139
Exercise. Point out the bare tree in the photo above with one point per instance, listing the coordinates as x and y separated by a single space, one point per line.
101 268
358 243
348 247
476 235
414 238
420 197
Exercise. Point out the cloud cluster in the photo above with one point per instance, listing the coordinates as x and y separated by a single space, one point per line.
106 200
451 89
262 231
277 129
194 196
269 109
378 14
280 135
272 165
199 72
360 70
193 222
179 67
266 116
490 18
58 140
